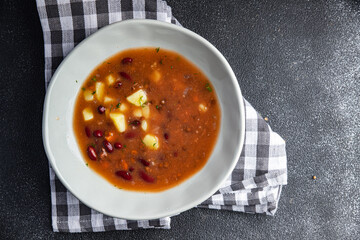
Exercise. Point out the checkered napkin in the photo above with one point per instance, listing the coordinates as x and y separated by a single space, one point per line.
253 187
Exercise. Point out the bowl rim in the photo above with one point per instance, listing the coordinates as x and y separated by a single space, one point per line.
45 130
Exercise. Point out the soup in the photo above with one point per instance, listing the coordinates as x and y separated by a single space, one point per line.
146 119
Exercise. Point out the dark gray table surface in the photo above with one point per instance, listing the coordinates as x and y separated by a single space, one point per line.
297 62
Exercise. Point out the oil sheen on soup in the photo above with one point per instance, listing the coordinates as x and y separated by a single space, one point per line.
146 119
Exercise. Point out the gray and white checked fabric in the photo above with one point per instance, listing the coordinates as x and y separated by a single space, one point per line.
256 182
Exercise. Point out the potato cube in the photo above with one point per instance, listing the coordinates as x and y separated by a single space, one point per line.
123 107
155 76
202 108
108 99
110 80
119 121
100 90
137 113
88 95
151 141
144 125
146 111
88 114
137 98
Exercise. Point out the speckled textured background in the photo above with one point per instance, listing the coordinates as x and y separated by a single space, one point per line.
297 62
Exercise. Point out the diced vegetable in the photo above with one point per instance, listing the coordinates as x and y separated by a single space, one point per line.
88 95
123 107
144 125
202 108
99 91
137 113
151 141
119 121
88 114
155 76
146 111
110 137
137 98
108 99
110 80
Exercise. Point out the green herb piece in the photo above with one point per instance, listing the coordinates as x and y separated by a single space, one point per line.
87 164
144 104
154 144
124 146
94 79
171 67
157 49
195 73
108 62
140 101
207 86
111 107
93 92
142 141
83 89
93 145
161 61
118 105
76 81
135 123
157 106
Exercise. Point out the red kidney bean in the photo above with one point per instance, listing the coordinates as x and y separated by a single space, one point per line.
88 132
166 136
130 135
118 145
101 109
117 84
131 169
125 75
124 174
127 60
135 123
108 147
146 177
91 153
98 133
144 162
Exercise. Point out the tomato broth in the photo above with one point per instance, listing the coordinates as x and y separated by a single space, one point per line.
146 119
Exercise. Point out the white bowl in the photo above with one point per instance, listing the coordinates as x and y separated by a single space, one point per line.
61 146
